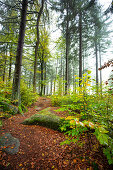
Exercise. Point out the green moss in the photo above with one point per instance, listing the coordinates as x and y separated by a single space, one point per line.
44 118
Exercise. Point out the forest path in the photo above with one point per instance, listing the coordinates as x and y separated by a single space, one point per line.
40 147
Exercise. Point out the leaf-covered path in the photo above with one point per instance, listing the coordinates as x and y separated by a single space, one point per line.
40 147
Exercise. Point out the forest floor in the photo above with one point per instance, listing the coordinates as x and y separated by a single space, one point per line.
40 147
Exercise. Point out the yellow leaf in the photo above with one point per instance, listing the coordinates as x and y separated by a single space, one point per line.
42 154
72 122
20 164
88 84
69 118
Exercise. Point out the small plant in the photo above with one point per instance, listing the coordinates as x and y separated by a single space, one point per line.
27 96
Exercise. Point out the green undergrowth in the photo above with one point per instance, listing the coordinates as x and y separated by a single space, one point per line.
7 107
27 95
44 118
89 112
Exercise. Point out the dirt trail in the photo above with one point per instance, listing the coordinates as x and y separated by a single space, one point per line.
40 147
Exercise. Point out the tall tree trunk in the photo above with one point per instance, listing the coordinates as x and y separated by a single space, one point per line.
51 86
30 79
42 75
44 78
18 64
80 47
4 68
37 45
10 63
63 80
67 50
84 62
100 70
96 55
10 67
73 79
54 86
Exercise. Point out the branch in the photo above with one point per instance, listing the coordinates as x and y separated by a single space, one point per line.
91 3
110 62
110 9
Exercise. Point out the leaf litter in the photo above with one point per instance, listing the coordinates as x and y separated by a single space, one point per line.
40 147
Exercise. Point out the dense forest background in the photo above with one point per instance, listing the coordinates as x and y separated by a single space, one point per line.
85 36
67 66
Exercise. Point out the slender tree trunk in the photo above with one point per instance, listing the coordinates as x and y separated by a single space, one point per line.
80 48
10 67
96 55
37 45
47 90
67 50
84 62
42 75
63 80
44 78
4 68
35 68
100 64
51 85
18 64
54 86
30 79
73 80
100 70
10 63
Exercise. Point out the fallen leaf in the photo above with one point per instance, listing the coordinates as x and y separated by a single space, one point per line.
42 154
20 164
74 160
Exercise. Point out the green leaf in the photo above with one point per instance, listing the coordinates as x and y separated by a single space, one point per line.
103 139
102 130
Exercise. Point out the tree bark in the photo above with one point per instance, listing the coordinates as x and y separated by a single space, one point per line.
4 68
10 63
80 48
67 50
18 64
37 45
96 55
100 70
51 86
44 78
42 75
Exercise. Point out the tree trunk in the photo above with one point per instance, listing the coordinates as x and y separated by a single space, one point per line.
80 48
30 79
51 86
100 70
42 75
45 78
67 50
18 64
10 66
4 68
54 86
10 63
96 55
37 45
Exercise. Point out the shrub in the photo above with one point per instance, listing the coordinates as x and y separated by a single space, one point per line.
27 96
